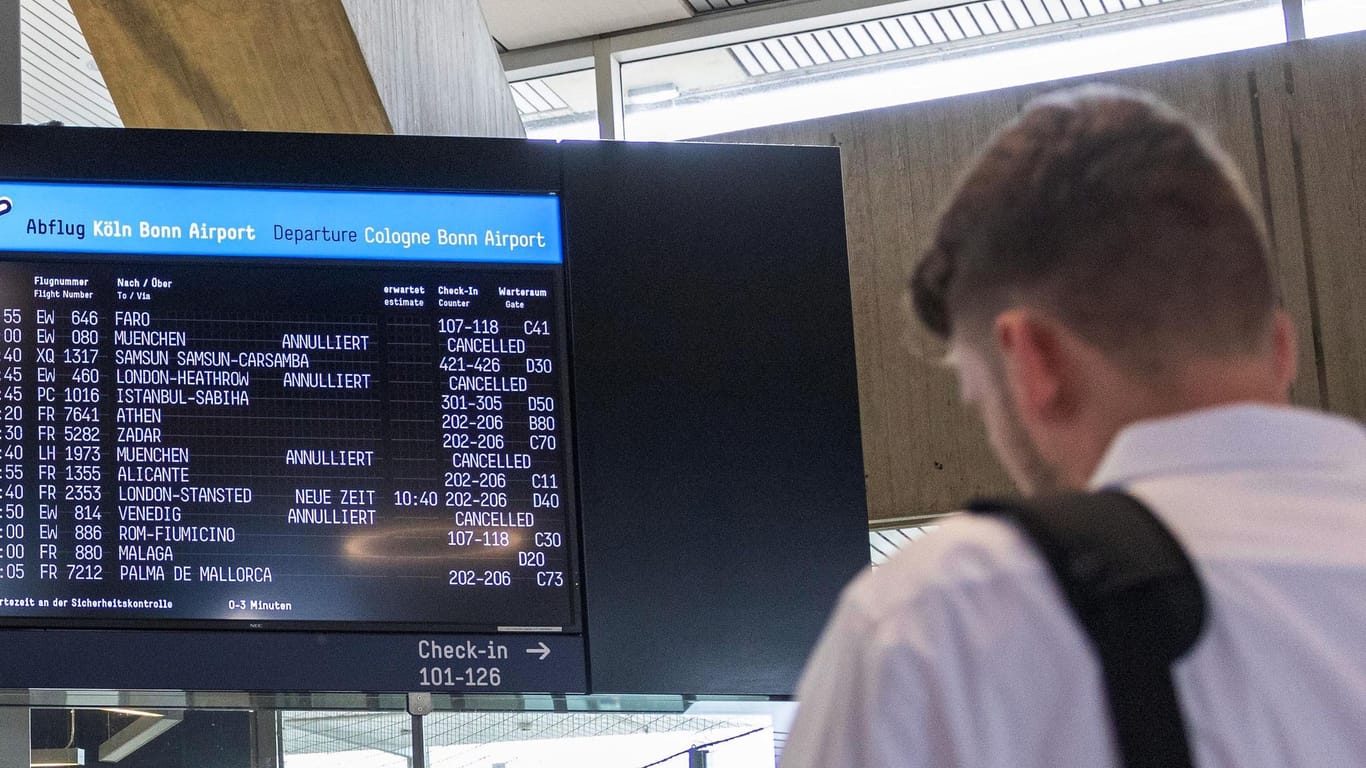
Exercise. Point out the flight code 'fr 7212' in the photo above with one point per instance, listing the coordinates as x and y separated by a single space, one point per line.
244 437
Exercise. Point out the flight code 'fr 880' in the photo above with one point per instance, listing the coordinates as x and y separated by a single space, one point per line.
385 422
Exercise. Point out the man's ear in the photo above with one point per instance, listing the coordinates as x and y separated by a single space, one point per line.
1034 360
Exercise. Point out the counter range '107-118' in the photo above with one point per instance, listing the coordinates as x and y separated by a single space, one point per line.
282 444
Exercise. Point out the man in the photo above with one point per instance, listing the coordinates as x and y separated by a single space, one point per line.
1103 283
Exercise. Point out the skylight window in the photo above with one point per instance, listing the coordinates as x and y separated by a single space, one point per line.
924 29
929 54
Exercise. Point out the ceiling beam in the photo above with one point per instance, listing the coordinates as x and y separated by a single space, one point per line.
137 735
524 23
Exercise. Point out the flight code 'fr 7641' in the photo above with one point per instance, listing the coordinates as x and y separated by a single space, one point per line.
389 449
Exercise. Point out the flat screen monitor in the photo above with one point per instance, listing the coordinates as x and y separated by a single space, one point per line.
286 408
284 412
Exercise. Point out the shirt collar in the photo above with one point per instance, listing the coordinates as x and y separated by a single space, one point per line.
1232 437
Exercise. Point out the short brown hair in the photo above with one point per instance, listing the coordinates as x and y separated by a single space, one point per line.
1111 211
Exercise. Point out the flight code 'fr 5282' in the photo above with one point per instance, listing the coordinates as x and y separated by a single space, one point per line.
268 442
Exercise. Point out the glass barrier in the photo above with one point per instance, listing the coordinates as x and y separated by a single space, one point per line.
345 739
148 729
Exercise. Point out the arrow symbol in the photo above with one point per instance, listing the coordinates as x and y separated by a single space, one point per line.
6 205
541 650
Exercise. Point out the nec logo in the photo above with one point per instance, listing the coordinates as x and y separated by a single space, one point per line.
6 205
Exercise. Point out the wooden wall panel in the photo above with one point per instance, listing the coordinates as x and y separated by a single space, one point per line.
1316 107
924 453
436 67
1224 94
235 64
1286 223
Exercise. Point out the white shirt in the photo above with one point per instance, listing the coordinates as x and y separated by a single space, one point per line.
961 651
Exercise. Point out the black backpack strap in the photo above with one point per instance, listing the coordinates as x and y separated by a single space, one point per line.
1136 593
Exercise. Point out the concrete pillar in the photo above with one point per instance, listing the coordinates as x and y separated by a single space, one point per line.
436 67
11 106
15 736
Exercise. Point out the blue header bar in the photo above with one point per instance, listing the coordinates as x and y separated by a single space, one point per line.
279 223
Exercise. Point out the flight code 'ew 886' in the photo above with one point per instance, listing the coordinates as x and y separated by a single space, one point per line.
279 443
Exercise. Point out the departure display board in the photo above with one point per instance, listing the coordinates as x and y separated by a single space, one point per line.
283 408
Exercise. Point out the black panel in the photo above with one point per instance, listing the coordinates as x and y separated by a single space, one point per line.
494 165
718 452
291 661
720 466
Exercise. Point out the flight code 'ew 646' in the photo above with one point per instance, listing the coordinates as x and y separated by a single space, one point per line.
277 443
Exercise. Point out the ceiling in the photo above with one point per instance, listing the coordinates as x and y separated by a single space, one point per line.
525 23
62 82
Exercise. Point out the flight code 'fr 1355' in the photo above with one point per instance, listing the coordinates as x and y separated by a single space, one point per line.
194 432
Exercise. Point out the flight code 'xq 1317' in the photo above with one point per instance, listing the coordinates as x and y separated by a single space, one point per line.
280 443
